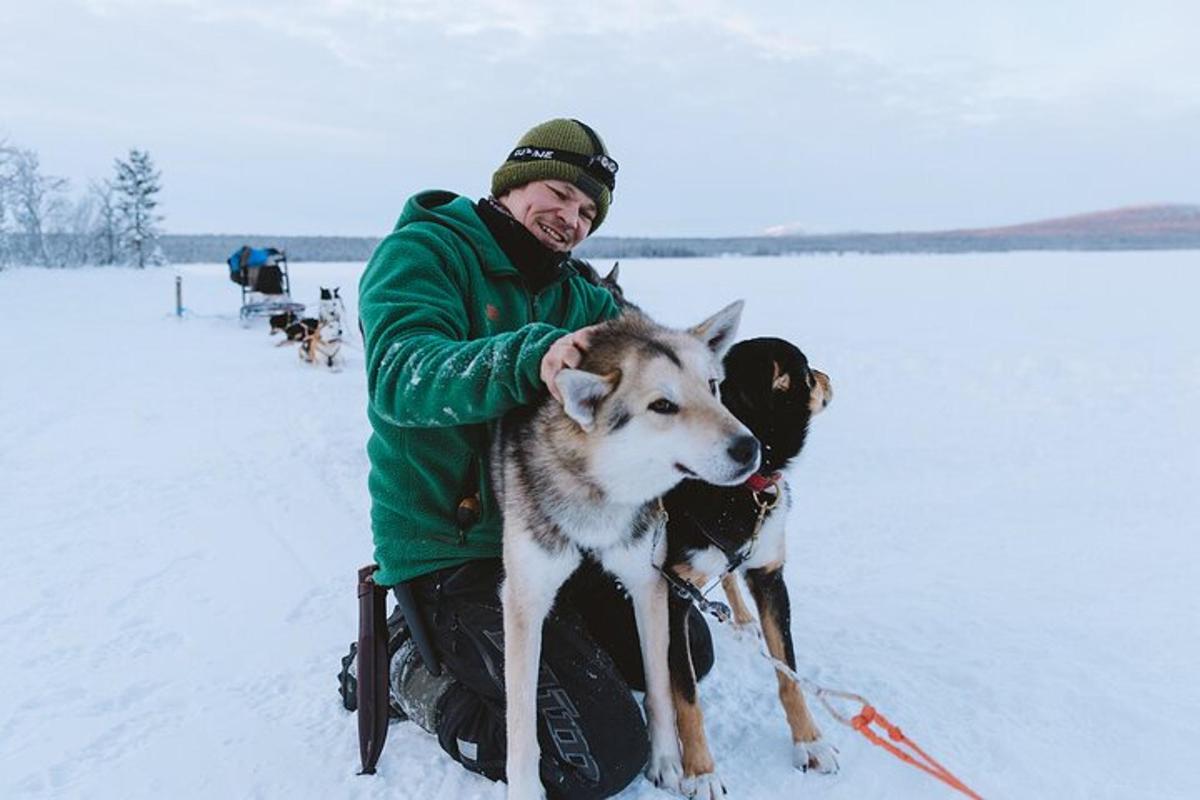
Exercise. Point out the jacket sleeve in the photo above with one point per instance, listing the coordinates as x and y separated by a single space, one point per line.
422 371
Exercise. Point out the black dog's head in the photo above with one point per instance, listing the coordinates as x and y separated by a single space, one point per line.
280 322
770 387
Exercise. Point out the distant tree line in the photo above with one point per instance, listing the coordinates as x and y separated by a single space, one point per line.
215 248
113 221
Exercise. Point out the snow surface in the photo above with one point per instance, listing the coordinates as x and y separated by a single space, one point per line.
996 539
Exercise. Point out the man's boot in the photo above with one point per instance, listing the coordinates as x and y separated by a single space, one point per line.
414 689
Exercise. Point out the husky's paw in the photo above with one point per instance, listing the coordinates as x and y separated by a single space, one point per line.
665 770
524 784
706 786
818 756
535 792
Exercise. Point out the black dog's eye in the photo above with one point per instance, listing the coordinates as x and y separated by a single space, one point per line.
663 406
714 387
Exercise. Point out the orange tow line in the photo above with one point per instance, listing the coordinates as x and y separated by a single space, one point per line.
868 716
923 761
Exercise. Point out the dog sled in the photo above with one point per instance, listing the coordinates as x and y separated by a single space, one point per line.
262 272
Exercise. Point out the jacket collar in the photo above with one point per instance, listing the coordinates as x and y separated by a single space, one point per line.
539 265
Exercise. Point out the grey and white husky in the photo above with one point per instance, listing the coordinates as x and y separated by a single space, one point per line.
639 414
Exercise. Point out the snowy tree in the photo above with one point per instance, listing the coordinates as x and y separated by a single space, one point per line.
6 244
36 200
106 232
136 188
74 243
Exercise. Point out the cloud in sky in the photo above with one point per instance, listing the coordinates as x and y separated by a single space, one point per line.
725 120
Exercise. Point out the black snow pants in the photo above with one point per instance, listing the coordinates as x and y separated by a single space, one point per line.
591 731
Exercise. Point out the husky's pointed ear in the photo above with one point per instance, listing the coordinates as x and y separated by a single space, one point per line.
718 330
614 273
582 392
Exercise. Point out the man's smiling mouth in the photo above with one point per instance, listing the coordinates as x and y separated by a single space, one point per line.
553 234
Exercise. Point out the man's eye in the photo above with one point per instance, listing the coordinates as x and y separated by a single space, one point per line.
663 406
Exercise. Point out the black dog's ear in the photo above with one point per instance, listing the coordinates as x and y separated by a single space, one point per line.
781 380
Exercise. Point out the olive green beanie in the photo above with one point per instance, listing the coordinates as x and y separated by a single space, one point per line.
565 150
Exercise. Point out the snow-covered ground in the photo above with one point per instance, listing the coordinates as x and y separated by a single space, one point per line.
996 542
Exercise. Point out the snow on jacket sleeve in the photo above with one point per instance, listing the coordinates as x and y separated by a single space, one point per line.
422 370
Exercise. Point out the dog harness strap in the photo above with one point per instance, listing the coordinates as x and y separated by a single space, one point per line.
687 590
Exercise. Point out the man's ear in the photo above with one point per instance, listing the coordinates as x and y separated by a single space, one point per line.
582 392
718 330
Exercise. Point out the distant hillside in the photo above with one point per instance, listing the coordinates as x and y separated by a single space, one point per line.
1157 227
1136 221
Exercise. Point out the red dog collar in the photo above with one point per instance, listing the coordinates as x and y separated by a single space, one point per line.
760 483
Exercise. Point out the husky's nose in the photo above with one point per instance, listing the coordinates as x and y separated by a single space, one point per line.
744 450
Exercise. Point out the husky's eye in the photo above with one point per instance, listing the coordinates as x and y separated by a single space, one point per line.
663 406
714 387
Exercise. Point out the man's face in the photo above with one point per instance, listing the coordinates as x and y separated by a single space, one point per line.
558 213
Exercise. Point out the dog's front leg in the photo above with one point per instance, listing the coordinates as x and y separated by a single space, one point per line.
810 751
532 577
700 778
742 619
648 590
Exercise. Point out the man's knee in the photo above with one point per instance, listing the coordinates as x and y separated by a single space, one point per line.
593 743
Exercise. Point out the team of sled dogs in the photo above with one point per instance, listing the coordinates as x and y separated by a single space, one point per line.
663 460
320 337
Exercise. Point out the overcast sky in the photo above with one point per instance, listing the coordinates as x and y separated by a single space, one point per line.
322 116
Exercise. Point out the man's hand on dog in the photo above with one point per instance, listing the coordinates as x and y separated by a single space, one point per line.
565 353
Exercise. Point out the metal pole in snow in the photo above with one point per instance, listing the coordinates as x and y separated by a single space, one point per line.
179 295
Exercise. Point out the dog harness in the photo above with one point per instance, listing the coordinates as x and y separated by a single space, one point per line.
766 494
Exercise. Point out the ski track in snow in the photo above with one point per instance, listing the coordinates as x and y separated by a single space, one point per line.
994 541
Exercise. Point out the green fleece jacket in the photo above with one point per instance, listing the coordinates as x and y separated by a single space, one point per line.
453 340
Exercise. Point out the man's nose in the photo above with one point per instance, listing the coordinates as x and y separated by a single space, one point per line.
569 214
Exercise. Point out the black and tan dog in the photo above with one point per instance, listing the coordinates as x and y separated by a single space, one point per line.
293 328
722 531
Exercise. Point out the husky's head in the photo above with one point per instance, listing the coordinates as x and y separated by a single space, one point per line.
645 400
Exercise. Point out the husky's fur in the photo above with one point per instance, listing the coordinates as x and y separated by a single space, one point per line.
639 415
